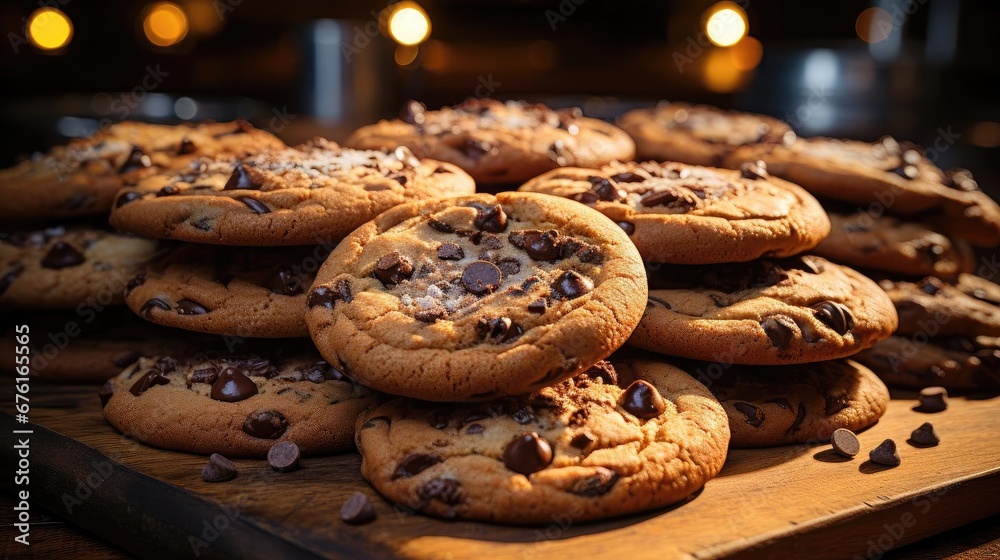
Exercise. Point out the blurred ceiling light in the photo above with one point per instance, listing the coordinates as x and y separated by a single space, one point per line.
725 24
406 54
985 134
719 74
49 29
408 23
747 53
165 24
873 25
820 70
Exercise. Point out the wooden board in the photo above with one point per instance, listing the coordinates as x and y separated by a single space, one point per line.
796 501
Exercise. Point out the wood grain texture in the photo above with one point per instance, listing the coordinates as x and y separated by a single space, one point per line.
796 501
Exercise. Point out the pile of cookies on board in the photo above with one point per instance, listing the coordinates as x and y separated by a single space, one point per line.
592 337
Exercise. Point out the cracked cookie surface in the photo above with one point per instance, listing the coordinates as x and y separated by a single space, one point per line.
237 405
311 194
958 363
475 298
621 437
767 312
687 214
499 142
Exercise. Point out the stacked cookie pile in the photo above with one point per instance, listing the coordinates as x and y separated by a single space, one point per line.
895 215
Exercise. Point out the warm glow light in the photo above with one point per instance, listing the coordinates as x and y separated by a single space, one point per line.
747 53
49 29
725 24
406 54
165 24
719 73
409 24
873 25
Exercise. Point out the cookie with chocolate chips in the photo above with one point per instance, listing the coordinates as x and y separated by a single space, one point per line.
82 177
698 134
66 268
616 439
236 405
892 245
314 193
249 292
475 298
686 214
767 312
498 142
955 363
895 177
936 308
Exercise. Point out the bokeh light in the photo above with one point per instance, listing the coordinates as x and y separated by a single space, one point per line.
49 29
725 24
747 53
165 24
874 25
409 24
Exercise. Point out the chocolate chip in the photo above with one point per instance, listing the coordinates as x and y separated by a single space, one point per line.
754 415
186 147
168 190
885 454
284 456
498 329
604 371
8 278
62 255
357 510
127 197
414 464
137 159
835 403
491 218
218 469
151 379
845 443
527 453
254 205
125 359
265 424
474 149
450 252
204 224
933 399
780 329
509 266
586 197
642 400
627 177
924 436
486 239
413 112
79 201
207 375
627 227
475 429
523 416
597 484
393 268
105 393
284 281
328 296
931 285
446 490
542 245
571 285
440 226
800 415
481 277
605 189
754 170
190 307
166 364
240 180
834 315
538 306
669 197
233 386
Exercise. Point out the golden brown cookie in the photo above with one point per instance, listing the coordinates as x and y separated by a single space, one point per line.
915 362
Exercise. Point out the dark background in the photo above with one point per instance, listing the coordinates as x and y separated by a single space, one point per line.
285 66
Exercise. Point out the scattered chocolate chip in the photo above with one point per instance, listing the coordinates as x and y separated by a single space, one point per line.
190 307
481 277
834 315
125 359
150 379
450 252
440 226
265 424
218 469
780 329
933 399
571 285
754 170
924 436
498 329
8 278
240 180
413 112
542 245
357 510
62 255
414 464
538 306
328 296
642 400
492 219
137 159
105 393
845 443
754 415
527 453
627 227
393 268
446 490
254 205
233 386
885 454
597 484
284 456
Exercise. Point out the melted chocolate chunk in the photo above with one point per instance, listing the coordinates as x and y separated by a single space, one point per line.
393 268
627 227
127 197
186 147
481 277
800 415
431 315
168 190
541 245
523 416
265 424
780 329
62 255
446 490
285 282
328 296
240 180
527 454
440 226
137 159
254 205
8 278
538 306
207 375
605 189
754 415
498 329
135 282
147 381
154 303
450 252
834 315
642 400
414 464
571 285
233 386
190 307
492 218
474 149
598 484
509 266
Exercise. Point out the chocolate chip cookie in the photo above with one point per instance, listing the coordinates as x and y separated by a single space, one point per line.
955 363
686 214
237 405
613 440
310 194
892 245
936 308
66 268
766 312
248 292
499 142
476 298
804 403
82 177
698 134
893 176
